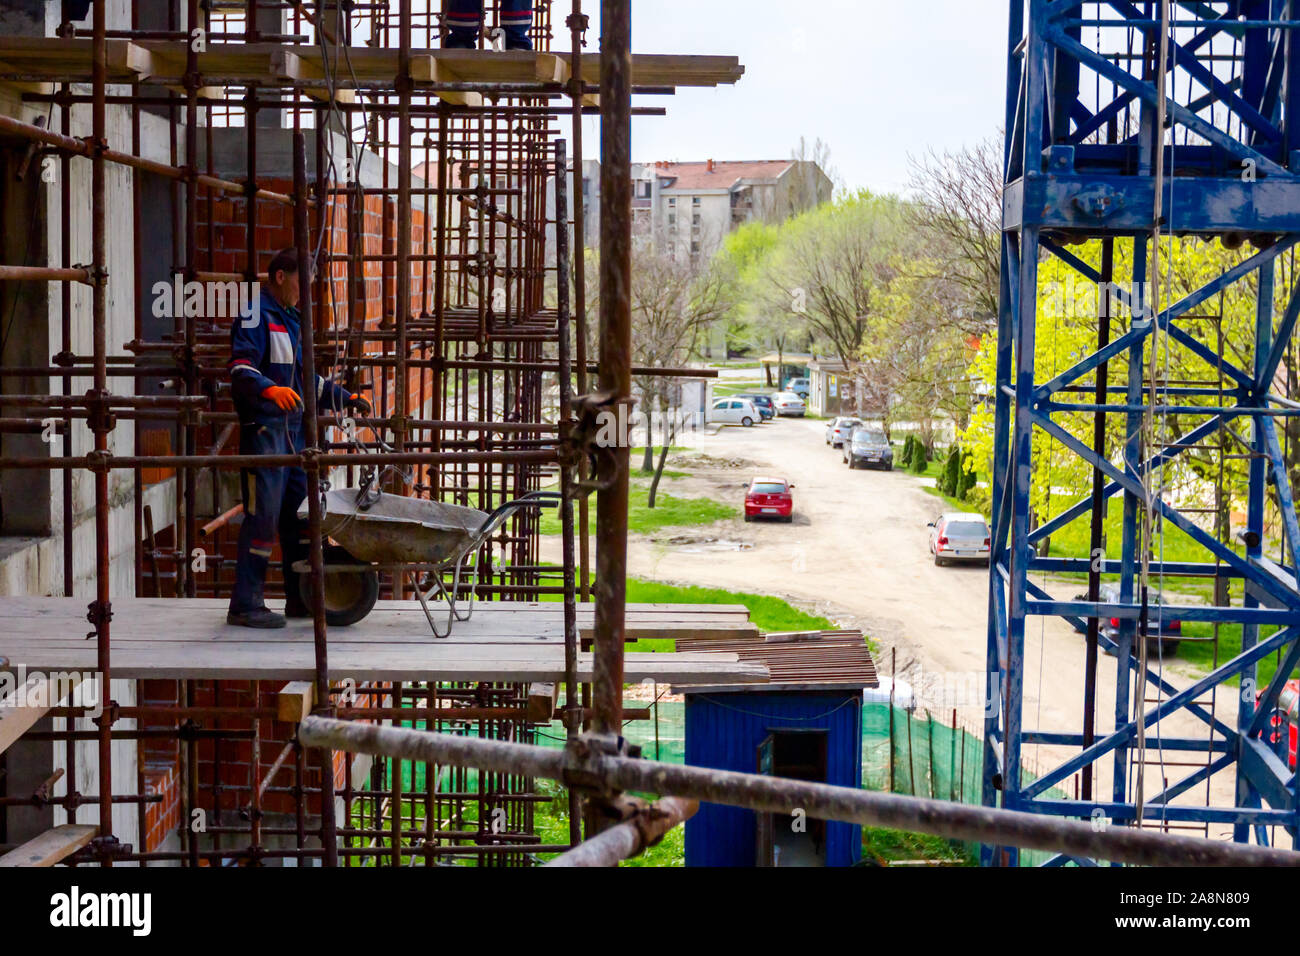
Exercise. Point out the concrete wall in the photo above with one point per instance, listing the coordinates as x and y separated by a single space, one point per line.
31 551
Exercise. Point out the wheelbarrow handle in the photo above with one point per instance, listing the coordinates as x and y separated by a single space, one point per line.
534 499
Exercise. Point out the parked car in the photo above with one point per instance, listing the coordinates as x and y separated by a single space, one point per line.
789 404
763 403
959 536
769 498
798 385
868 448
734 411
1287 712
839 429
1163 632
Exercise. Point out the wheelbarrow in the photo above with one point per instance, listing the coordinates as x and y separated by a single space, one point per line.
373 530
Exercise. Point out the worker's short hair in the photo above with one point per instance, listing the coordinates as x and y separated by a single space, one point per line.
286 260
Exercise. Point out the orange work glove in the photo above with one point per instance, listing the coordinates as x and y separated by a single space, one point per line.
359 405
284 397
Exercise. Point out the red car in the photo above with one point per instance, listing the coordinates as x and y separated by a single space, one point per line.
769 498
1286 713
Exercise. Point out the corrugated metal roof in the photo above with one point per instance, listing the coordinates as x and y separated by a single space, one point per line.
802 658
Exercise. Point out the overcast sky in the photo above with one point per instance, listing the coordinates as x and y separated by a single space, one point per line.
875 79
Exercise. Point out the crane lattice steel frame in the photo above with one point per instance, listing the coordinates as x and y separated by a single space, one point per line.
1102 145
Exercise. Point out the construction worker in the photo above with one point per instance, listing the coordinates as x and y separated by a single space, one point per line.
266 383
465 20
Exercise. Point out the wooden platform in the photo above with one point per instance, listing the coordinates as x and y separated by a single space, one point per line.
520 642
50 847
54 59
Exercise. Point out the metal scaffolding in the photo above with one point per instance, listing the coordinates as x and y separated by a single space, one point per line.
425 188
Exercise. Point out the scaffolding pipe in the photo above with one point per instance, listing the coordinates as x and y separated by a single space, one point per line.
629 838
765 794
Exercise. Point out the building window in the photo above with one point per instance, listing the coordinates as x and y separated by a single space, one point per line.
672 220
696 220
643 189
672 201
695 200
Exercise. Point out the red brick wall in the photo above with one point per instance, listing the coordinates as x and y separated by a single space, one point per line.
223 248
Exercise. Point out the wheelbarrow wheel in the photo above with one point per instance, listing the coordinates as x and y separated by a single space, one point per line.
349 595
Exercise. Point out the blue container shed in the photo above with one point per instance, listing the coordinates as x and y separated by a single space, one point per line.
804 731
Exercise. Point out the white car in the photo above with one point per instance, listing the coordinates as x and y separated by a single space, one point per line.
839 430
734 411
788 403
959 536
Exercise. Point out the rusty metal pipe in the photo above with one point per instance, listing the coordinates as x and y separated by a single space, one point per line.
627 839
955 821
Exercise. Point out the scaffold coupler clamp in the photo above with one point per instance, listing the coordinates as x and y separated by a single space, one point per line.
101 849
587 751
100 417
98 613
580 22
589 436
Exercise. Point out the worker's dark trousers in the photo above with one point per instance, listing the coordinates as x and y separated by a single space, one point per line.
271 499
465 18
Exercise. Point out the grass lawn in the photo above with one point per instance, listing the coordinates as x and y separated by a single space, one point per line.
669 511
767 612
885 846
735 388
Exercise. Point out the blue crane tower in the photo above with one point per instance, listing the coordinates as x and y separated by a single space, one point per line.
1138 132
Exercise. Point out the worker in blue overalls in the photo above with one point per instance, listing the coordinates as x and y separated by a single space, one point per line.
266 383
465 20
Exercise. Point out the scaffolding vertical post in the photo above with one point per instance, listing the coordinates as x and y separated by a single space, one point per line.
311 438
101 610
572 707
615 357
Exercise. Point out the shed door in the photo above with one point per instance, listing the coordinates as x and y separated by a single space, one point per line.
766 822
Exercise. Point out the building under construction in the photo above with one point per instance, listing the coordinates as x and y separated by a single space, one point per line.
153 158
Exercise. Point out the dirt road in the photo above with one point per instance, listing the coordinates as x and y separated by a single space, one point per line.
857 553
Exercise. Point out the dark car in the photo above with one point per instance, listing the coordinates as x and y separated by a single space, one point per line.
763 403
868 448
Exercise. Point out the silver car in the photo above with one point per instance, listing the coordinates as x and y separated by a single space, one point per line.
839 429
959 536
868 448
789 404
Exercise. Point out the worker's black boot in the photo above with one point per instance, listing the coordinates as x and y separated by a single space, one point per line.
261 617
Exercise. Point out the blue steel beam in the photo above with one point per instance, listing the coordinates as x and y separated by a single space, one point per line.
1122 735
1061 187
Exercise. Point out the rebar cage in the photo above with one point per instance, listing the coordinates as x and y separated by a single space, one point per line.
428 202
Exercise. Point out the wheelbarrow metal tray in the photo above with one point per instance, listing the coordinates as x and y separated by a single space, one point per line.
396 529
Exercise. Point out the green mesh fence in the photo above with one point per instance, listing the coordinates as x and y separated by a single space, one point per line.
919 754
